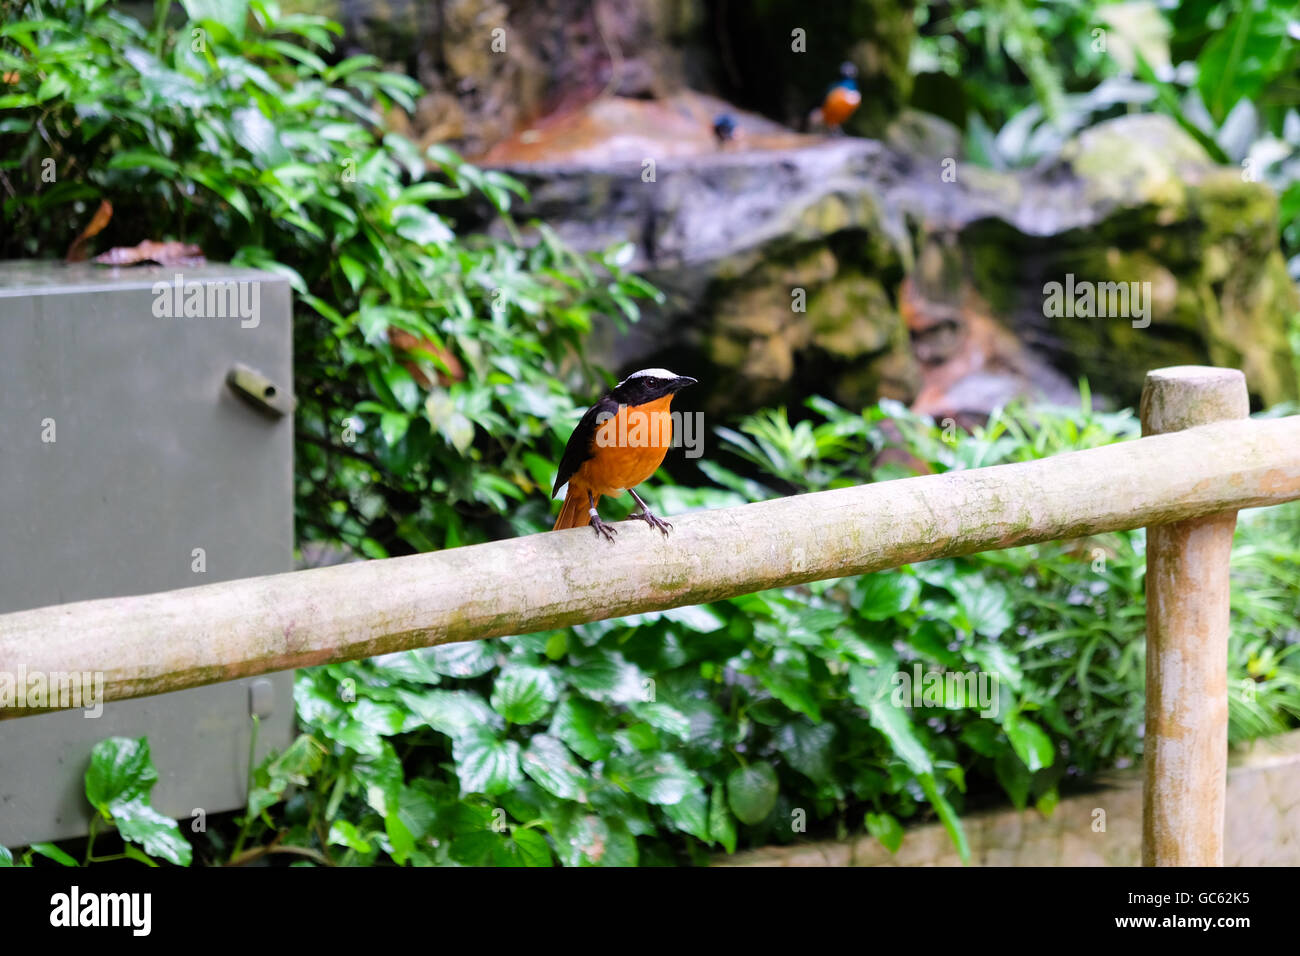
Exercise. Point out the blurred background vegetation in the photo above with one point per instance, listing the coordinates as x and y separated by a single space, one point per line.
447 339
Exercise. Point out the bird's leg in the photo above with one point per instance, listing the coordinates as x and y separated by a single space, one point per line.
645 515
601 528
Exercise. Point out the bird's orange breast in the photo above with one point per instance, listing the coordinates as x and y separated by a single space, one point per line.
628 448
839 105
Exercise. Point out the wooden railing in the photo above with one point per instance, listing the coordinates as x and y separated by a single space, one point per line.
1200 460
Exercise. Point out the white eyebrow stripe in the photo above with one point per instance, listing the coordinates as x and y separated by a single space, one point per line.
650 373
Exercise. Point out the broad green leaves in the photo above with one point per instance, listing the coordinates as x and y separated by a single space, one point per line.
885 595
1031 744
231 15
885 828
752 791
486 763
523 695
119 780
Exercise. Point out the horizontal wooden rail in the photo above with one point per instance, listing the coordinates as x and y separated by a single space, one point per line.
155 643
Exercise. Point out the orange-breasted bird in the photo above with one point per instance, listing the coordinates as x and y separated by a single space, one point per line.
842 99
620 442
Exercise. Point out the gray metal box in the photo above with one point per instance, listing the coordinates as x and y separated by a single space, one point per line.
122 451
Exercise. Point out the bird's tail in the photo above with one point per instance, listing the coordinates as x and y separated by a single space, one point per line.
575 513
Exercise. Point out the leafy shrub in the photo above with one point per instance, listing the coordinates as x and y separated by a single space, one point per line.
118 782
426 363
1223 70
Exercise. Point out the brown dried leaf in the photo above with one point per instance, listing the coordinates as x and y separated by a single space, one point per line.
406 342
163 253
77 251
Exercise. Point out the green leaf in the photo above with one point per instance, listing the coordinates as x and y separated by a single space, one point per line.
132 852
596 841
157 835
120 771
463 660
886 828
450 712
403 387
344 833
610 679
691 815
1014 777
1046 804
661 778
697 617
6 857
353 271
789 683
529 847
226 190
871 692
394 425
752 791
551 764
807 748
577 722
423 192
380 776
985 605
256 133
231 14
523 695
885 595
135 158
721 827
996 659
399 836
663 717
52 852
948 816
486 764
1032 744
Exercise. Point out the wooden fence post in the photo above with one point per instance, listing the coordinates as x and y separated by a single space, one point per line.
1186 743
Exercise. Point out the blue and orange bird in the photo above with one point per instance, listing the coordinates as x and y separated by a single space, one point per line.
842 99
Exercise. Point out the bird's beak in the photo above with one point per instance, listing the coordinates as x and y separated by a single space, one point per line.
682 381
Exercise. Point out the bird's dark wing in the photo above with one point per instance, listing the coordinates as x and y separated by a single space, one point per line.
579 448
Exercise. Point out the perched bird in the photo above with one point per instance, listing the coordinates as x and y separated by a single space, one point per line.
842 99
724 128
620 442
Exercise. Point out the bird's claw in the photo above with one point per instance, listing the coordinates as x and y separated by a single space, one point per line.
653 521
603 530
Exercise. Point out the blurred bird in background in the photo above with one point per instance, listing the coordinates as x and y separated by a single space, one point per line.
841 100
724 128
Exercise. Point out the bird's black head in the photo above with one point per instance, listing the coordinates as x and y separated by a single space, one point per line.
724 126
848 71
649 384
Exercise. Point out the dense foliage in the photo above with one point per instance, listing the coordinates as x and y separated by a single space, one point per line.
1031 74
427 364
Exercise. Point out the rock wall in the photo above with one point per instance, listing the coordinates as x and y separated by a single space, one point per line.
492 67
743 239
799 264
